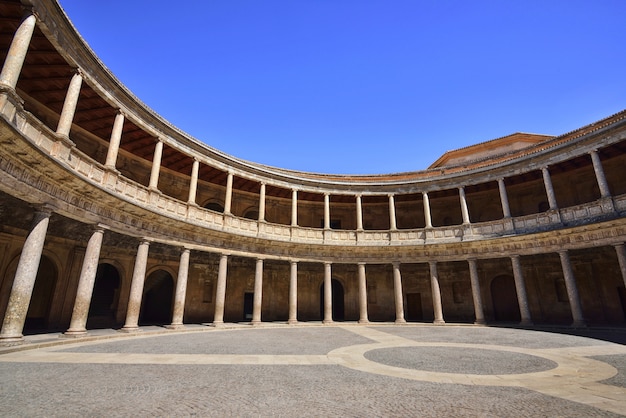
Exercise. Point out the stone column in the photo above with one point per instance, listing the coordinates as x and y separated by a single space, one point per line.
363 318
69 105
262 203
24 280
17 52
600 177
427 217
359 213
326 211
328 294
392 213
520 289
136 288
504 199
547 181
181 290
621 259
193 183
397 293
114 142
572 290
156 165
293 293
229 194
258 293
294 207
464 210
478 300
86 282
220 292
434 286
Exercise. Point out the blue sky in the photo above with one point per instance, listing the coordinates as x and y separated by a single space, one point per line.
362 86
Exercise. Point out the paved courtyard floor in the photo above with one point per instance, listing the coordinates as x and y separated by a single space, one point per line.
309 370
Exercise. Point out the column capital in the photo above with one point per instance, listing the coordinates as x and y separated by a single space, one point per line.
361 263
396 264
100 227
432 263
292 262
328 263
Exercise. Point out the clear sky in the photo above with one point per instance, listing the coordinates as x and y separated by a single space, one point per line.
362 86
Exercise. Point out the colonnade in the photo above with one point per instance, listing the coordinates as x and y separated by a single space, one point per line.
14 63
26 273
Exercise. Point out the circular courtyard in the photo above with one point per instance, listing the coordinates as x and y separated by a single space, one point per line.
314 370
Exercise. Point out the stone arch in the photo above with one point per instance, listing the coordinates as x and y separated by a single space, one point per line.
38 314
158 294
251 213
504 298
214 206
338 300
105 297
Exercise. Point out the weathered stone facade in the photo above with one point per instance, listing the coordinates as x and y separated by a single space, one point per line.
110 216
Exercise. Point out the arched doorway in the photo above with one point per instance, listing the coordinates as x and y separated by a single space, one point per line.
504 297
338 301
156 306
104 298
41 299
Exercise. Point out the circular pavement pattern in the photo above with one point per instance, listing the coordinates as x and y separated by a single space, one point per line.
308 370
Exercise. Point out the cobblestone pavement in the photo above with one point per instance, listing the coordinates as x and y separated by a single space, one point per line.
332 370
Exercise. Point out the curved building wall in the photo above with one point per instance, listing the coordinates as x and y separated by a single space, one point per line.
128 213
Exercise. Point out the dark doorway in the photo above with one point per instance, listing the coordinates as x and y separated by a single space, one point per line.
156 306
248 306
41 299
414 307
338 302
105 297
504 297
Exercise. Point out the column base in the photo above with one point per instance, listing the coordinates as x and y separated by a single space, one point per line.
11 341
439 322
480 322
327 321
400 321
579 324
218 324
129 329
70 333
364 321
292 322
526 323
255 323
175 326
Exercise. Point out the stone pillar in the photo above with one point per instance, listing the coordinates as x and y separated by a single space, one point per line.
193 183
363 318
434 286
114 142
328 294
293 293
478 300
359 213
136 288
220 292
572 290
156 165
85 284
392 213
427 217
520 289
181 290
547 181
262 203
397 293
464 210
600 177
258 292
17 52
294 207
24 280
69 105
504 199
229 194
326 211
621 259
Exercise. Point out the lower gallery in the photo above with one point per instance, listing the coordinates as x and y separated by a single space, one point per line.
110 217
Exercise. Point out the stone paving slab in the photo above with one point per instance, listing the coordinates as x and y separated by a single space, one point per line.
318 371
